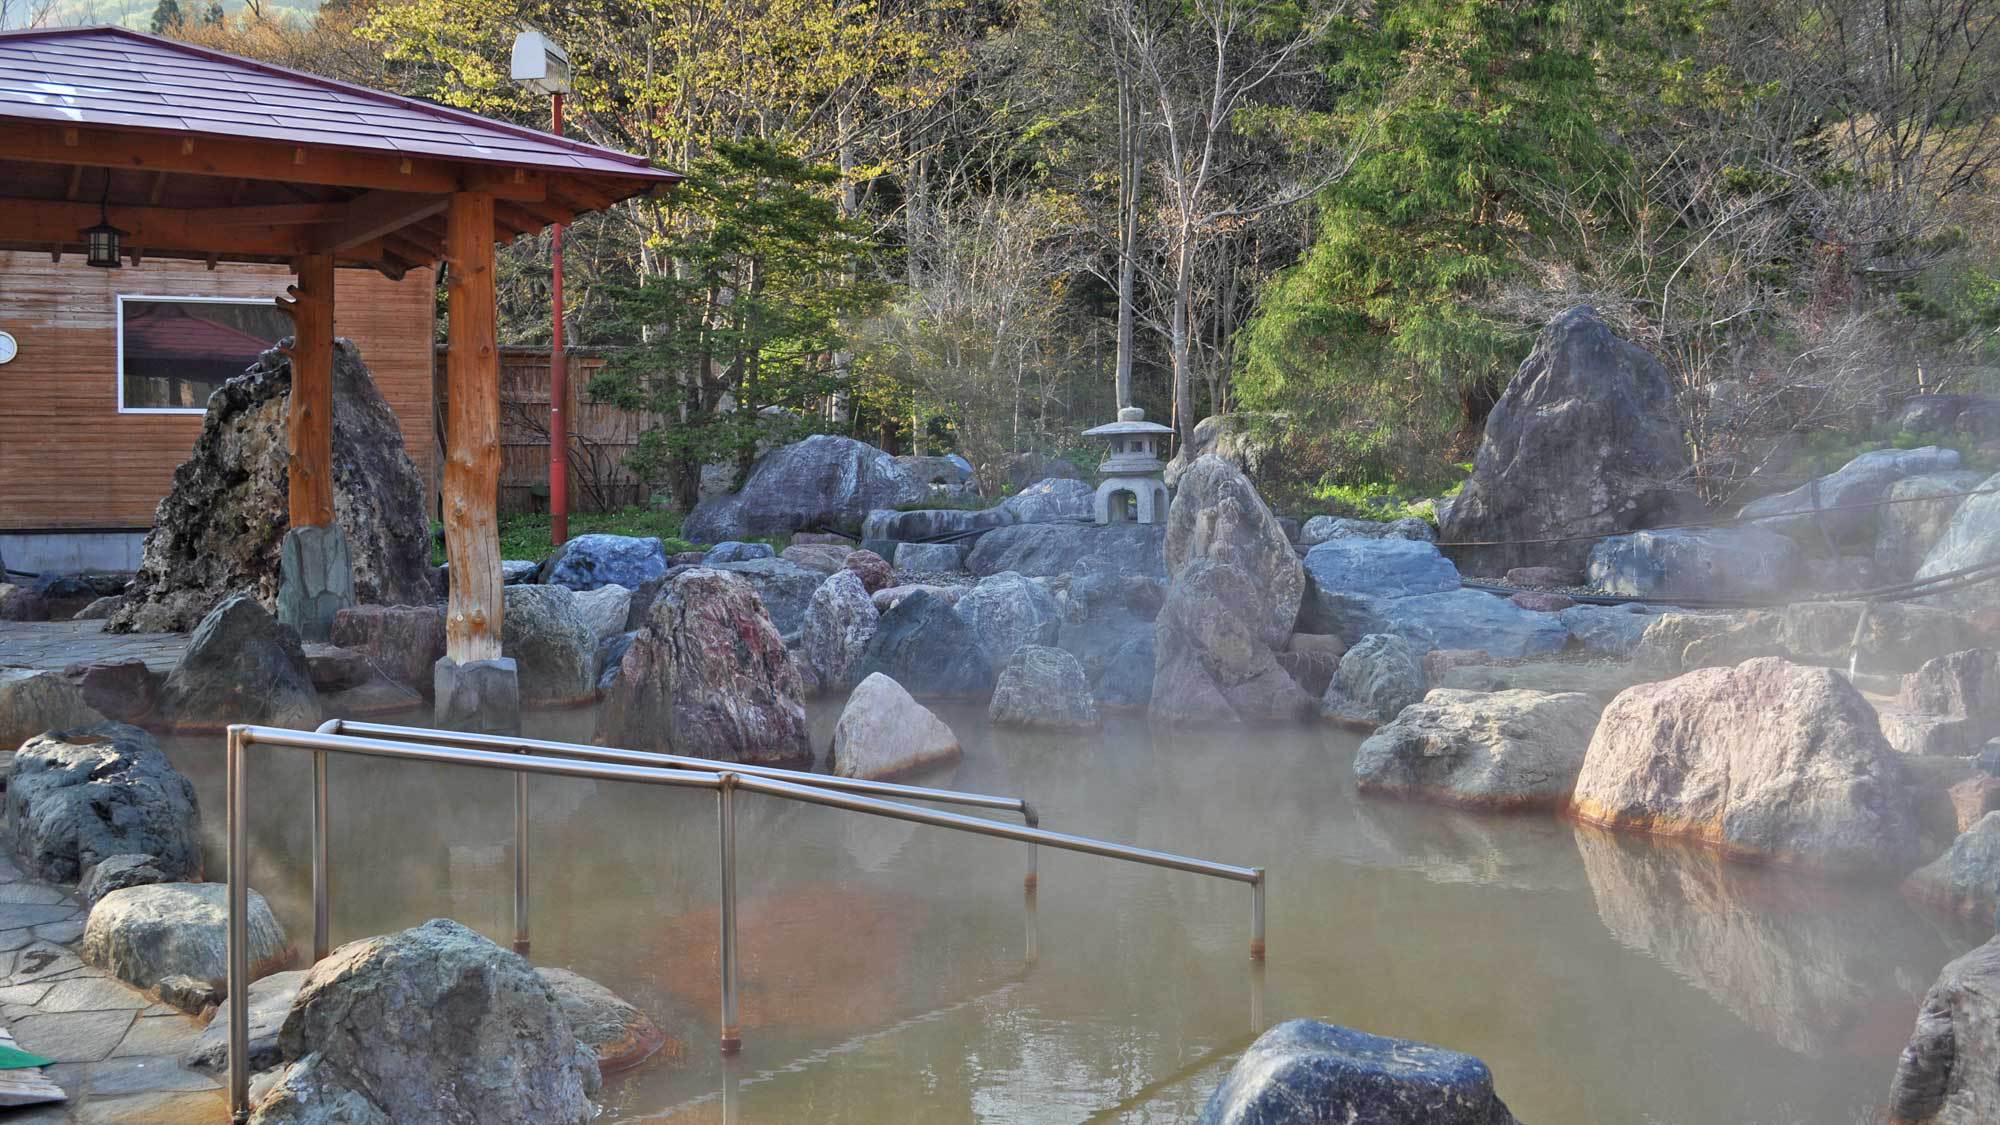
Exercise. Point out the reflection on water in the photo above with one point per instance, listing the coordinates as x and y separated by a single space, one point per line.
893 972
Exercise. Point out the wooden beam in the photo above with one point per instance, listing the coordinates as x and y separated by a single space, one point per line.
378 213
260 160
309 432
50 222
472 433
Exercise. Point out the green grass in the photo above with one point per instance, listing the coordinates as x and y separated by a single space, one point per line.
525 535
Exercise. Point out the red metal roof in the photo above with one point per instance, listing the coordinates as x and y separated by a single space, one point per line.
168 331
116 78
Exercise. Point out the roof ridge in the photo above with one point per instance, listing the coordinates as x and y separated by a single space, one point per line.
351 88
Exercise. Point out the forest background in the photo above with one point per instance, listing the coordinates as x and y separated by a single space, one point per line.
982 225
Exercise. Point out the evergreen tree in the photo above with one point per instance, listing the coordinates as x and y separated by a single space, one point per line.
167 18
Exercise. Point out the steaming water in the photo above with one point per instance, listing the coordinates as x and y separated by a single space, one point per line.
886 969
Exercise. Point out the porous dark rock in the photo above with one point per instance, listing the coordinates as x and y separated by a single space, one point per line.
824 481
241 666
1043 687
81 796
709 676
1303 1072
221 527
1586 439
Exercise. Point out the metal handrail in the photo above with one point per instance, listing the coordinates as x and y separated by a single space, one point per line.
724 783
516 744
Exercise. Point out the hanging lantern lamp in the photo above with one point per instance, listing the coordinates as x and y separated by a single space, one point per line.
102 239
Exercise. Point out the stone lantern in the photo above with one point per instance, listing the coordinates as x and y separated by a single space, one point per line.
1132 491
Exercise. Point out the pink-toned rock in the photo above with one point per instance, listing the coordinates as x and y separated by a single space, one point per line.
888 598
403 641
823 557
1541 602
1973 798
873 570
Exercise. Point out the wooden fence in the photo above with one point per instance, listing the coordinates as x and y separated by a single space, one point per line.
600 436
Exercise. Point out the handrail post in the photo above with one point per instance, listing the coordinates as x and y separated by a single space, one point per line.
1032 819
521 864
732 1033
239 929
1257 917
322 871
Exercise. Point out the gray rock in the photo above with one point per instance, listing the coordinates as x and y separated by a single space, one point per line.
589 561
1302 1072
125 690
1212 662
1471 619
1108 626
1972 538
1348 581
18 603
100 609
403 641
516 572
241 666
1255 443
824 481
618 1034
32 702
482 696
731 550
434 1024
1376 679
838 626
142 935
270 1002
80 796
929 558
554 650
1949 1074
931 523
1586 439
824 558
304 1094
610 654
115 873
1965 879
1910 524
1319 529
1024 469
925 646
1511 750
1218 515
1714 562
604 610
1054 500
709 676
1767 761
883 733
1863 480
221 527
1609 630
1951 705
785 587
947 478
1973 416
1046 549
889 597
1044 688
1005 611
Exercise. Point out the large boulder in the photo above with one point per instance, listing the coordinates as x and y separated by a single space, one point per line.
1348 579
1949 1074
1045 549
1965 880
1918 510
824 481
554 649
1044 688
730 550
1864 480
1950 706
1768 761
1705 562
589 561
1586 439
883 732
708 676
435 1023
1474 620
1319 529
786 587
1971 539
1055 500
1213 663
1255 443
35 701
1512 750
222 525
270 1002
241 666
404 641
1025 469
1608 630
925 646
1303 1072
604 609
1005 611
838 625
1218 515
1108 625
618 1034
947 478
143 935
1374 681
80 796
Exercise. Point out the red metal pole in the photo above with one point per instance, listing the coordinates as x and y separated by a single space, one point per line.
558 388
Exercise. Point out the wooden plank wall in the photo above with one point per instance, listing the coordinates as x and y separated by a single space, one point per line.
600 437
68 459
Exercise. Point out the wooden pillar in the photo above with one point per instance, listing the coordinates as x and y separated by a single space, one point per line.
309 430
472 433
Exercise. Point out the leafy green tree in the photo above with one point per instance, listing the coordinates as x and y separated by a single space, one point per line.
1382 338
750 318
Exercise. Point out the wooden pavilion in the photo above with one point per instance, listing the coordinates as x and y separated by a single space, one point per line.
197 154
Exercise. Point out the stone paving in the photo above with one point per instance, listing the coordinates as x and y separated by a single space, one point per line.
54 645
118 1053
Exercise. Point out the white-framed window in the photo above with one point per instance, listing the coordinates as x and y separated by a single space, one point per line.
173 352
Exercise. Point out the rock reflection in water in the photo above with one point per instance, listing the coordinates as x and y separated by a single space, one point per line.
1822 970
